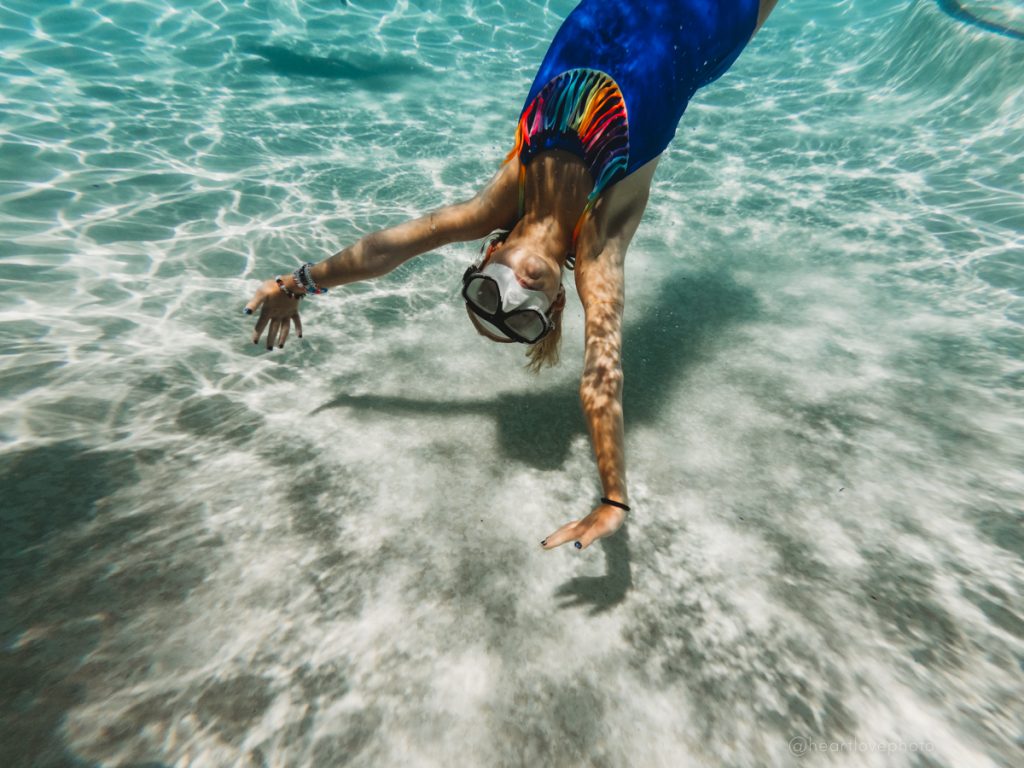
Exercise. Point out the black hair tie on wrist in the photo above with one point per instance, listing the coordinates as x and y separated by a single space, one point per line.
618 504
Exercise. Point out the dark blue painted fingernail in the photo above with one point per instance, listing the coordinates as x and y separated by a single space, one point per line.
544 543
578 545
247 311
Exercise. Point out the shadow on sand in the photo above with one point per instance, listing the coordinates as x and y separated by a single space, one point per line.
690 310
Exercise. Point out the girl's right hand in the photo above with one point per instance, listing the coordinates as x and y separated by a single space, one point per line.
277 310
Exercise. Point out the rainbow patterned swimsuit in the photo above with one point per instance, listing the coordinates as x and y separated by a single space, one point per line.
618 76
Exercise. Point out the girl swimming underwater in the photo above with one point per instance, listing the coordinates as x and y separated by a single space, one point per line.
602 108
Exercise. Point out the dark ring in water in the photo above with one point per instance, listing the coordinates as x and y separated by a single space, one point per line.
955 10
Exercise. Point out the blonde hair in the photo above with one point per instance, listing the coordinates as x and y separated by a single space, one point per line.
546 351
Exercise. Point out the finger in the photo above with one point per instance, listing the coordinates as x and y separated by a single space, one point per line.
298 324
260 325
562 535
285 327
255 302
275 326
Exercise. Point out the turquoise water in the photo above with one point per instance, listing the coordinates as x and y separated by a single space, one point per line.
218 556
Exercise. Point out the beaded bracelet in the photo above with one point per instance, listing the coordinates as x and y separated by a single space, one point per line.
611 503
304 277
285 291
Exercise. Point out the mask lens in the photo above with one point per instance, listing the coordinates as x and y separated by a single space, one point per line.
483 294
493 329
529 324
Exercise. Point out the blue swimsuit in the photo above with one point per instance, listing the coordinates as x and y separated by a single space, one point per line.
618 76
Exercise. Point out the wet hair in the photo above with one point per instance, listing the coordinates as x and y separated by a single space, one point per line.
546 351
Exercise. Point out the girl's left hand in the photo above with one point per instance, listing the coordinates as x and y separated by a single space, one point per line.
278 312
603 521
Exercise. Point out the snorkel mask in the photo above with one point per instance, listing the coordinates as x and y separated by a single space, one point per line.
504 307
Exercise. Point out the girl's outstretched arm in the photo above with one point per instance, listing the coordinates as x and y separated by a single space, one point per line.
380 252
601 286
